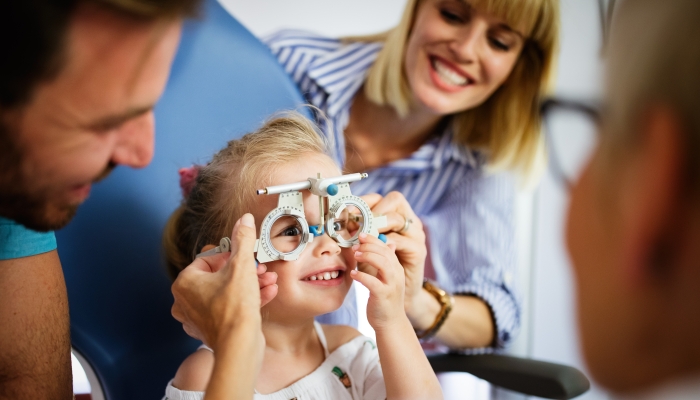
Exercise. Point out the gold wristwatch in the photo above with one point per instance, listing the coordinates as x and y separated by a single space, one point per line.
446 302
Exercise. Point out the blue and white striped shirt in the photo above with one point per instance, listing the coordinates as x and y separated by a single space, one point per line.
468 214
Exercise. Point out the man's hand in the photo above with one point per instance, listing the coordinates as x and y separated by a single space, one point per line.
213 294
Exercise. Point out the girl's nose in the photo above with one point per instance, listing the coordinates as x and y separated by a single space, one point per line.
325 245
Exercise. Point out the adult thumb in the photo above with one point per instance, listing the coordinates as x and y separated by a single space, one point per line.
243 236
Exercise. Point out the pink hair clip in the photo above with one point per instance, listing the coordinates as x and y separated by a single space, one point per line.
188 176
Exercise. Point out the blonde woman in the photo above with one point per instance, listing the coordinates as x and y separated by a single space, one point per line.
441 108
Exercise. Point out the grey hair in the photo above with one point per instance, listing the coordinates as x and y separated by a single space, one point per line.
654 58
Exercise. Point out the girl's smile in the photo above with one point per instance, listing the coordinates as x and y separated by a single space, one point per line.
331 276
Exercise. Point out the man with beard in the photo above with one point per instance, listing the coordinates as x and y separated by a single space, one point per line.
78 83
634 221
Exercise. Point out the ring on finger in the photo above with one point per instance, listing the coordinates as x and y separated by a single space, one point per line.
407 224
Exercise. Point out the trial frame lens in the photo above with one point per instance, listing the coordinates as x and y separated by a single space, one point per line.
286 234
341 208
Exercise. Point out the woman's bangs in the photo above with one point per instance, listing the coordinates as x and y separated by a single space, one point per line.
520 15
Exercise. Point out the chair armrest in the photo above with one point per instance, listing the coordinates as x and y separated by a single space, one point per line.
530 377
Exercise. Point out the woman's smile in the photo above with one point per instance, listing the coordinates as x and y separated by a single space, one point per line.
446 76
446 39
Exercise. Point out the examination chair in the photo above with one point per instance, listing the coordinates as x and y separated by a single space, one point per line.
223 83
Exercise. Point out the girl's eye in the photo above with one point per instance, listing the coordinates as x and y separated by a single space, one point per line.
339 225
291 231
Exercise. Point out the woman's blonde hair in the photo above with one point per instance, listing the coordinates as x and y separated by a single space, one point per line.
224 189
507 125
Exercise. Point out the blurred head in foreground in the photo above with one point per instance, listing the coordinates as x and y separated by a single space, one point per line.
634 222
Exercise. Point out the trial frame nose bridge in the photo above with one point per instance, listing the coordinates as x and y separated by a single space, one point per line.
336 191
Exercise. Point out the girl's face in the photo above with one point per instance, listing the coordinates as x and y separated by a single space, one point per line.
457 56
317 282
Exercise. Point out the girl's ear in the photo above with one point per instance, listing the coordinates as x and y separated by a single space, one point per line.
207 248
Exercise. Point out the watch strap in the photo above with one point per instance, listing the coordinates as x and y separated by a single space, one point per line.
446 303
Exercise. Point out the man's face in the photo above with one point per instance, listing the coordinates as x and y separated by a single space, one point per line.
96 114
632 235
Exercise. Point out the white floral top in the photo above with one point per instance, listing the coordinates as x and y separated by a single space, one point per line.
351 372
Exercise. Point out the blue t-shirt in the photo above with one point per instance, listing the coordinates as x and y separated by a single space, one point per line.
17 241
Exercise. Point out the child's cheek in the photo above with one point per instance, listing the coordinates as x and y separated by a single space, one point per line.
276 267
349 257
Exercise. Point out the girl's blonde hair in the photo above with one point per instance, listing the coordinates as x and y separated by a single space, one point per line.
224 189
507 125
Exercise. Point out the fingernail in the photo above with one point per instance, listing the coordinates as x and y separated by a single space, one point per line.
358 253
353 272
248 220
363 235
355 247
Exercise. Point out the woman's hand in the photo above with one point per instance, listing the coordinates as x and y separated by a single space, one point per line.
215 294
410 244
381 273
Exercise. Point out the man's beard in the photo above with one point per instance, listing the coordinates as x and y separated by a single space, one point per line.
35 208
34 211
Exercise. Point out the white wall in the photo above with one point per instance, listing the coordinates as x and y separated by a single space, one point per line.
330 17
552 330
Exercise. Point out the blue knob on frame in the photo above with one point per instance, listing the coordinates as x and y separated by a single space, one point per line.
382 237
332 189
316 230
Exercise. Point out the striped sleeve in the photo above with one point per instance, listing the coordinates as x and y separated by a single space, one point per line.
472 240
296 50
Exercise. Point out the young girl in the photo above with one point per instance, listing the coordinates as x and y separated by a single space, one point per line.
302 359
